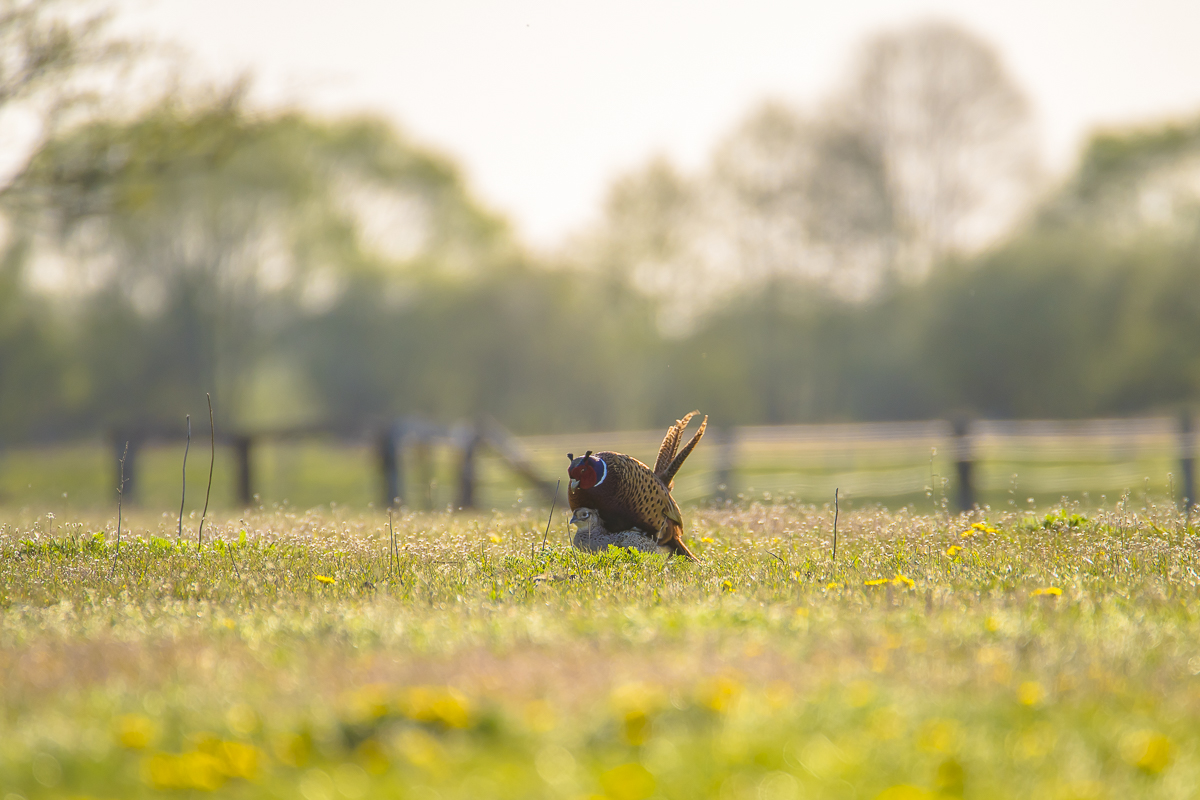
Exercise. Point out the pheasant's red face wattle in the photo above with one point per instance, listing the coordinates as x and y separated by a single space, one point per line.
587 471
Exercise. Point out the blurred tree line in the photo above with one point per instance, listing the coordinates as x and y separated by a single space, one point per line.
893 254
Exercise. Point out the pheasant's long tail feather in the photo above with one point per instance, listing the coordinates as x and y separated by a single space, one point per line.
681 549
668 474
670 443
670 536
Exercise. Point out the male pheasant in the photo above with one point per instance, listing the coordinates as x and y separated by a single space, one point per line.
628 495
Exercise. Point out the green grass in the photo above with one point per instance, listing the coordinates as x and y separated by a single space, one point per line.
1042 655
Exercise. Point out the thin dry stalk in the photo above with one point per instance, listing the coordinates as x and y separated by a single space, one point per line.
183 492
393 557
212 459
233 562
546 536
835 521
120 494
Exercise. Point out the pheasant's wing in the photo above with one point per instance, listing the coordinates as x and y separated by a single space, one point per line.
670 443
672 522
623 497
641 499
667 475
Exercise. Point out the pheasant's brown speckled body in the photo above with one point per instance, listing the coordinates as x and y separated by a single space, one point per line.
628 494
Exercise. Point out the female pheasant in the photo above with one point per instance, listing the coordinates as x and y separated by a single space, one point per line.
591 535
627 494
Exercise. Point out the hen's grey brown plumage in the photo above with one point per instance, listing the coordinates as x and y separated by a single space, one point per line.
591 535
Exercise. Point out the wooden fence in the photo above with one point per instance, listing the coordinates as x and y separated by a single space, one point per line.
392 441
967 462
961 461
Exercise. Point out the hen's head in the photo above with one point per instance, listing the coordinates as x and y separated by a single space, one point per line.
586 471
585 518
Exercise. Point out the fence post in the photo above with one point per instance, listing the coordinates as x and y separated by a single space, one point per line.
466 476
1187 461
241 453
963 463
726 447
390 464
423 471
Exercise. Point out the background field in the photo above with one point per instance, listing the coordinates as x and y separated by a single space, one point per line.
1012 654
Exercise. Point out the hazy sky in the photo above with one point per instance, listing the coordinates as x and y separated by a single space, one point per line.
542 102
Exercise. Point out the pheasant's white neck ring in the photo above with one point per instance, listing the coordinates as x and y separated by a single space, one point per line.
603 474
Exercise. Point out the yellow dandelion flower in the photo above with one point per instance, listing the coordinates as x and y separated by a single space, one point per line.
494 538
1048 591
876 582
1148 750
720 693
630 780
903 791
435 704
325 579
903 580
239 760
938 736
833 585
706 539
727 586
1030 693
183 771
953 550
135 731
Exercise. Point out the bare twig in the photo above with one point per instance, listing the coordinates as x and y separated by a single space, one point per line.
835 518
212 458
232 561
546 536
120 494
393 558
183 492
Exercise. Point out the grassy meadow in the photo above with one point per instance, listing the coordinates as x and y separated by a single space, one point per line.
320 655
